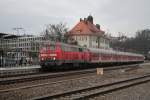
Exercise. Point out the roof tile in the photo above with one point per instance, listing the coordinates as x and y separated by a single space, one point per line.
85 27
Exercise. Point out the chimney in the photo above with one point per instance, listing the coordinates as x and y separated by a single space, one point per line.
85 20
81 19
98 26
90 19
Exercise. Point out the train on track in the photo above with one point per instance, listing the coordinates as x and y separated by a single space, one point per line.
55 55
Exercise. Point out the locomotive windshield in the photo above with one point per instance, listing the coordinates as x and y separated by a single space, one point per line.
48 46
52 47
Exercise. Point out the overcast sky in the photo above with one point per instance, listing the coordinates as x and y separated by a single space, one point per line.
114 16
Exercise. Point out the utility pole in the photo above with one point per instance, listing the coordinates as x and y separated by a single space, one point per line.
18 29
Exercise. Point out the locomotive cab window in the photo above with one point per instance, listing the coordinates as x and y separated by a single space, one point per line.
49 46
80 49
75 49
52 47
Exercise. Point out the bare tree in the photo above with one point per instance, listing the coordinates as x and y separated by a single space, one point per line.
56 31
139 43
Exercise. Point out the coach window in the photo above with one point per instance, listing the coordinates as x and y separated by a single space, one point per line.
70 49
75 49
65 48
85 50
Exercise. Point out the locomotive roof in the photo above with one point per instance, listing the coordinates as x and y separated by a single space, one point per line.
63 44
77 46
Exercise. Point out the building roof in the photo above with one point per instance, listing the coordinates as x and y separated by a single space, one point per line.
8 36
2 34
85 27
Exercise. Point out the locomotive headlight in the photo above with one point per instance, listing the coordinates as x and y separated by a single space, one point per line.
54 58
42 59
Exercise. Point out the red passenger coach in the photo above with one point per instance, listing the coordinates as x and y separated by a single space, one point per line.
103 56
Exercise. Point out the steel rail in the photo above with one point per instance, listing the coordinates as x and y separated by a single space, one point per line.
84 93
11 80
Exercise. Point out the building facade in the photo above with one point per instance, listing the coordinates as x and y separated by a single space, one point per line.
17 47
89 35
24 43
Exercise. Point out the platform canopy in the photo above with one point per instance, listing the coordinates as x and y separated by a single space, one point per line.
8 36
2 34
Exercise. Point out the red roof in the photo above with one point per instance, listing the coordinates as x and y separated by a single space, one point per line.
85 27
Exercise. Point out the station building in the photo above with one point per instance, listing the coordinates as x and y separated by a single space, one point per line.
14 47
23 43
87 34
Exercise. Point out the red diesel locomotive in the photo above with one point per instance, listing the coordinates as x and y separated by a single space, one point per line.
53 55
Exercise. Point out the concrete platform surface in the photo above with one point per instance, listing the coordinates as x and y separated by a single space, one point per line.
21 67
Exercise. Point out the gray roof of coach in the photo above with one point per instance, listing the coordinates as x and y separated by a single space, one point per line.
102 51
112 52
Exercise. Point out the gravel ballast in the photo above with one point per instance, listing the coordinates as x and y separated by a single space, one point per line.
29 93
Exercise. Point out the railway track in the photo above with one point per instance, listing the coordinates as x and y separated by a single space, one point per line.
41 76
6 81
23 72
89 92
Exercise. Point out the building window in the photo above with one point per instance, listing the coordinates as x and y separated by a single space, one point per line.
96 41
82 38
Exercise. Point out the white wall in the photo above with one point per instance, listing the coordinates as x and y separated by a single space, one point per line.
91 41
82 40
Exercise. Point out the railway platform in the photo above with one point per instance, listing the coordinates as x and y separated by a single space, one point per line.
19 67
9 71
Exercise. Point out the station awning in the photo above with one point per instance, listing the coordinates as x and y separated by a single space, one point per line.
9 36
2 34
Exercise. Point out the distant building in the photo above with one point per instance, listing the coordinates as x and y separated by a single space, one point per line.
20 46
87 34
